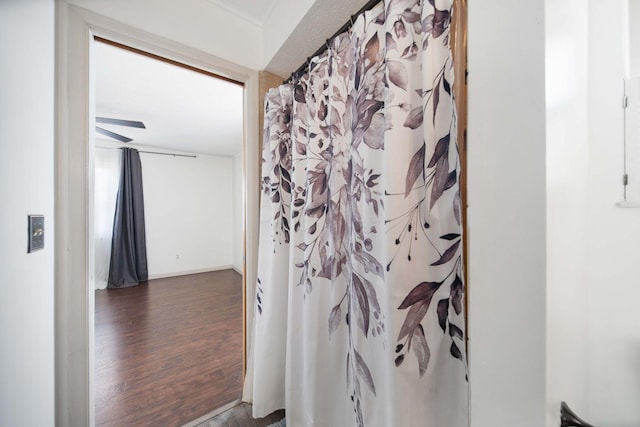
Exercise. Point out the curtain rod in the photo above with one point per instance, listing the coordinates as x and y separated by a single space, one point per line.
169 154
152 152
347 25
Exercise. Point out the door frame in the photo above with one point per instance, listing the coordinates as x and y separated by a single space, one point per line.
74 160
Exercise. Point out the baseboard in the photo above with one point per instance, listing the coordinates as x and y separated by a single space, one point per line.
213 413
187 272
237 269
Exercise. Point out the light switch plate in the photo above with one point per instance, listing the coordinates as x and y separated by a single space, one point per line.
36 233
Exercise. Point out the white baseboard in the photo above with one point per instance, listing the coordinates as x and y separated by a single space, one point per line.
237 269
187 272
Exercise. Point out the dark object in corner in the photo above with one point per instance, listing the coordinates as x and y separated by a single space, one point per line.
568 418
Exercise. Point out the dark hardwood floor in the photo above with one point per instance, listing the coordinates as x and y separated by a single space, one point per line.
169 351
240 416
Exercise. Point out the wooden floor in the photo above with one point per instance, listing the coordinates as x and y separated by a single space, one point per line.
240 416
170 351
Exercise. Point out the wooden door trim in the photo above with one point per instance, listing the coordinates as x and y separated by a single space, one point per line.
458 33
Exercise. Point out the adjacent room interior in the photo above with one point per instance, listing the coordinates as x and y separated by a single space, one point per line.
168 349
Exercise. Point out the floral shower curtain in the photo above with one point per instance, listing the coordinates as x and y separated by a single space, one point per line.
359 306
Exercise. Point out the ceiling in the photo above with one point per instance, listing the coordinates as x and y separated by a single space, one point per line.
256 11
182 110
325 17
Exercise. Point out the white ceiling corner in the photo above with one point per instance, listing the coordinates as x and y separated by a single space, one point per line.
254 11
325 17
320 21
269 10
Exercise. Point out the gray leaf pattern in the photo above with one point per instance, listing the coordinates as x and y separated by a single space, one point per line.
334 201
420 348
426 184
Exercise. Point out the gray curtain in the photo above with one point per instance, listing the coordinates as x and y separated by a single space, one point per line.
128 266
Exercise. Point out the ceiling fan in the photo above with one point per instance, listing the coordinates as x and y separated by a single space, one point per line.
117 122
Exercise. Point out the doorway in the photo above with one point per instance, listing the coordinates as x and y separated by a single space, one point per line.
169 350
75 315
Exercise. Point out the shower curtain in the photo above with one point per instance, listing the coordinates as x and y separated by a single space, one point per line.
359 300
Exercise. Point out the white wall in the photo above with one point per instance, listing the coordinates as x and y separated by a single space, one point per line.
566 23
506 146
26 187
188 213
634 38
238 213
613 235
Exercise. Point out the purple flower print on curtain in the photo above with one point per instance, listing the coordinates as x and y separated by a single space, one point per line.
359 305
